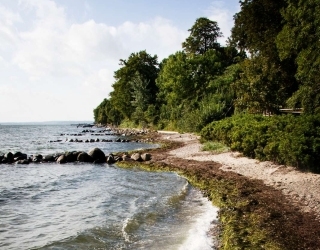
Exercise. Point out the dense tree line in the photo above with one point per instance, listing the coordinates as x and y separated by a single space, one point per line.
271 61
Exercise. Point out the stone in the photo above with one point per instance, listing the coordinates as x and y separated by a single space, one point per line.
84 157
97 155
24 162
146 157
9 157
71 156
62 159
110 159
136 157
48 158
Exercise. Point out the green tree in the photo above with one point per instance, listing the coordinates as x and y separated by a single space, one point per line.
266 82
260 87
203 37
257 25
147 67
105 113
300 39
140 98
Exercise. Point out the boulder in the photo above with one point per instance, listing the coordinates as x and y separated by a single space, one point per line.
21 157
17 154
146 157
36 158
49 158
9 157
71 156
111 159
25 161
97 155
136 157
62 159
84 157
126 157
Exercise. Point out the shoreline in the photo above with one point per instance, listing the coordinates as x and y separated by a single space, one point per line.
262 205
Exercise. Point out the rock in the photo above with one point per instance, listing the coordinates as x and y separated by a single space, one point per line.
36 158
97 155
136 157
17 154
62 159
146 157
21 157
126 157
49 158
9 157
110 159
71 156
25 161
84 157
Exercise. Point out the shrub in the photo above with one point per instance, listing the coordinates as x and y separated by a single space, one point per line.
284 139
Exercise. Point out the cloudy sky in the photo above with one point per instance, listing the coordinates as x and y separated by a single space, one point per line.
57 57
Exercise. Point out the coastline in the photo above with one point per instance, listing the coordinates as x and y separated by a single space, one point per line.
262 205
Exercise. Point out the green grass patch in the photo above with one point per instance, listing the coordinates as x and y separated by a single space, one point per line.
215 147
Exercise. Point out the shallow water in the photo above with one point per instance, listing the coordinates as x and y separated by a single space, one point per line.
88 206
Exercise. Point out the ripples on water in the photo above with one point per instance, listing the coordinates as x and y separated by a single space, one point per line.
86 206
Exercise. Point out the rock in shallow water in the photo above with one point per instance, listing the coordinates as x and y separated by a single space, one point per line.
97 155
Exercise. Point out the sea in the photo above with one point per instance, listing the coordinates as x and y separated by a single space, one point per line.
94 206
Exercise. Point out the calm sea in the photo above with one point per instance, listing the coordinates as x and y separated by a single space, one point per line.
94 206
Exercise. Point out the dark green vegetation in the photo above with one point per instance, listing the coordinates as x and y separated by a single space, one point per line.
270 62
252 215
282 139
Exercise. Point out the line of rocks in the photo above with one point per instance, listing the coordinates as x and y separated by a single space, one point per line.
101 140
94 155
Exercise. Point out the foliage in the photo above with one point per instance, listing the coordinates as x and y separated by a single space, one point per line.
203 37
266 82
105 113
141 65
283 139
261 86
215 147
300 39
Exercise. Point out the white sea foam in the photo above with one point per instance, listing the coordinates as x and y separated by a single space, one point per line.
198 237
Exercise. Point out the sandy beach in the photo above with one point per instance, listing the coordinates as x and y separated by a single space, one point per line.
292 196
301 188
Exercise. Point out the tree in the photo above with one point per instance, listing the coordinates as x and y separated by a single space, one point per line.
300 39
105 113
203 36
147 67
141 97
257 25
266 82
260 87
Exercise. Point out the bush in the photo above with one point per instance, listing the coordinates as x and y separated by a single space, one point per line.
284 139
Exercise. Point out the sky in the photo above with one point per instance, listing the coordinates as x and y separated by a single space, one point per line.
58 57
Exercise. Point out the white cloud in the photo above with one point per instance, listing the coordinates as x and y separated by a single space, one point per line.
60 69
223 15
158 36
7 29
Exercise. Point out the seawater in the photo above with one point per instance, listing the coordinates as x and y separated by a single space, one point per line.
88 206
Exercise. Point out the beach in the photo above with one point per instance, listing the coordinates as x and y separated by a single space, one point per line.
291 196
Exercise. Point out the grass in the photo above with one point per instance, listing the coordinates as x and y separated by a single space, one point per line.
215 147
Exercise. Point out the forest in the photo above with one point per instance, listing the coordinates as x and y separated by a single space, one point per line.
270 62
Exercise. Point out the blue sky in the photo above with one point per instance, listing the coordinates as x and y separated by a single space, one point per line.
57 57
